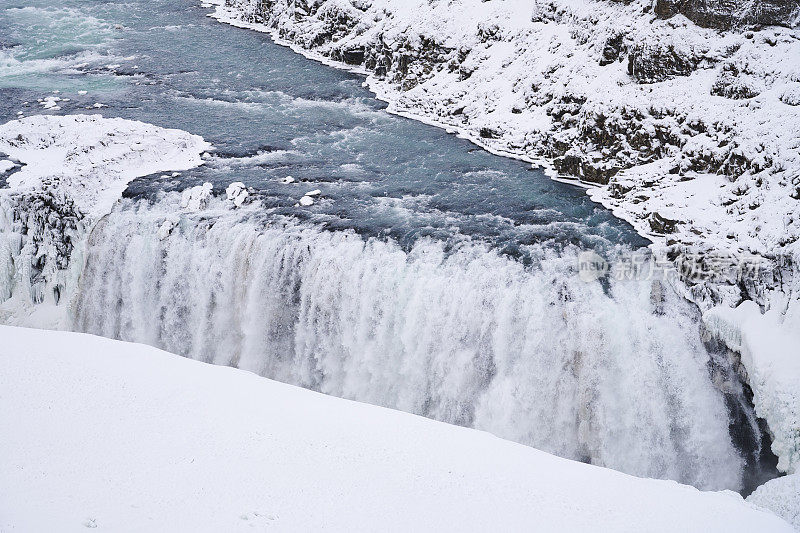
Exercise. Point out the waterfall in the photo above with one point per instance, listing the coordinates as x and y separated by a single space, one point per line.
461 333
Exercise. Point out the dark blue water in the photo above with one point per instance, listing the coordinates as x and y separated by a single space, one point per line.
272 113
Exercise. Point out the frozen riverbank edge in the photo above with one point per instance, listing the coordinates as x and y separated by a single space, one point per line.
222 449
64 173
690 134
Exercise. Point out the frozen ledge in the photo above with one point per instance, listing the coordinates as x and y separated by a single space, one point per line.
90 159
74 168
129 438
769 345
781 496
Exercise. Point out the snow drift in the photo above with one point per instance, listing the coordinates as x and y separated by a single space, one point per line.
104 434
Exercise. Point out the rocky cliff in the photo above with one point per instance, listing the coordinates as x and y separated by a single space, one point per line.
730 14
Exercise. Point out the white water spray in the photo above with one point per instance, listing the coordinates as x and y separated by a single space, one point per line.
532 354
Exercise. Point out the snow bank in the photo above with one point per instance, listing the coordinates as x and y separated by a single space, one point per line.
90 159
74 168
781 496
769 345
129 438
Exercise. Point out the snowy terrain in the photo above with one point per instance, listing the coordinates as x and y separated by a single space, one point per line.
73 169
124 437
781 496
696 132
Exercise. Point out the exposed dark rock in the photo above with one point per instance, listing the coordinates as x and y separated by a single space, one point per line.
613 49
587 169
654 62
662 225
353 56
729 14
735 87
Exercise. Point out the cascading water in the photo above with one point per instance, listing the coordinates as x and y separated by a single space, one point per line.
460 334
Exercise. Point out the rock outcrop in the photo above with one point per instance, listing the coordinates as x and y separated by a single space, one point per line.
730 14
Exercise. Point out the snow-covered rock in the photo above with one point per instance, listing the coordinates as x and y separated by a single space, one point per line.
129 438
74 168
91 159
196 198
781 496
237 193
6 165
769 345
306 201
166 227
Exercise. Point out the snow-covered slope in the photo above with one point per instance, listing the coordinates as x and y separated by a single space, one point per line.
124 437
781 496
73 169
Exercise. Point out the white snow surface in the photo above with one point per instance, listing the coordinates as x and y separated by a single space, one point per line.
124 437
196 198
237 193
6 165
91 159
781 496
769 345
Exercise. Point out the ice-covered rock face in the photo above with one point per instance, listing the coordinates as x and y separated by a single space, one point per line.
74 168
728 14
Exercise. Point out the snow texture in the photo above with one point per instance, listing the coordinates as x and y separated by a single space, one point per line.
129 438
769 345
781 496
74 168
